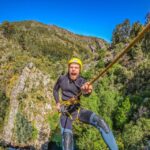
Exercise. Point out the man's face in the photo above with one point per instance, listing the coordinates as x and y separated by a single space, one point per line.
74 71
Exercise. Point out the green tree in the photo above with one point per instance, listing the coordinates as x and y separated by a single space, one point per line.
132 136
135 29
121 32
147 18
108 98
146 40
21 41
4 105
136 135
90 139
24 129
101 56
122 113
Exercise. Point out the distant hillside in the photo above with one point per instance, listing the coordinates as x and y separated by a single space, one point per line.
49 39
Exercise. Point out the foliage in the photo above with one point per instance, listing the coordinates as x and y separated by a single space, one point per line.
130 140
146 44
108 98
7 29
135 29
87 74
24 129
55 131
122 114
101 56
4 105
90 102
146 40
90 140
135 135
121 32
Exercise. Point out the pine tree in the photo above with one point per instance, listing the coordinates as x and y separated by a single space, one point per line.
136 28
121 32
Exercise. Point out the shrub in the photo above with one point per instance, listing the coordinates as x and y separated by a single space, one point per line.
24 129
4 105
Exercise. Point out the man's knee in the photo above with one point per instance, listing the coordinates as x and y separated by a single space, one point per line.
98 122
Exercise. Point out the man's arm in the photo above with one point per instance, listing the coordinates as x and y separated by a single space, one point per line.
56 91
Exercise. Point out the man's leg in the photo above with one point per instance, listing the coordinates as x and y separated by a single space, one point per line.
109 139
66 131
91 118
67 140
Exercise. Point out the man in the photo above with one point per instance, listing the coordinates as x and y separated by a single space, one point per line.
71 85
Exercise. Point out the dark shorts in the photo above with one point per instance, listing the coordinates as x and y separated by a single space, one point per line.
82 115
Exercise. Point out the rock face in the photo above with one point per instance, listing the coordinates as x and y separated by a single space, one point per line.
31 97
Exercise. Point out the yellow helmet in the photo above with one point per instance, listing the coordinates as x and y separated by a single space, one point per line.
75 60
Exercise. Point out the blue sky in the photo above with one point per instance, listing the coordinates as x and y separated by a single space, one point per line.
86 17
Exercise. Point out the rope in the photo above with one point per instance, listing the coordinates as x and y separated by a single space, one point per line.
136 39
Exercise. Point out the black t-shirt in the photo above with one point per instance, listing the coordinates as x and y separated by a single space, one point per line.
69 88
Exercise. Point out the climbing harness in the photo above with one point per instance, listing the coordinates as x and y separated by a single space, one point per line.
67 108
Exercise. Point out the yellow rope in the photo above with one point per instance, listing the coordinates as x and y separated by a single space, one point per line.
136 39
75 101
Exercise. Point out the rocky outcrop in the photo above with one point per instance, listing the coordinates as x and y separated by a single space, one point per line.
35 106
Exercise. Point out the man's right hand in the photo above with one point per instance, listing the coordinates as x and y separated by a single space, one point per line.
58 106
87 88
